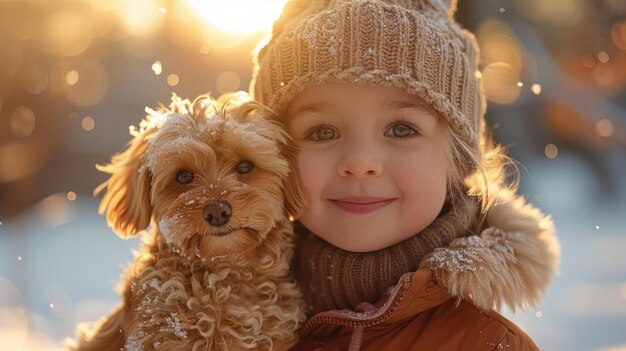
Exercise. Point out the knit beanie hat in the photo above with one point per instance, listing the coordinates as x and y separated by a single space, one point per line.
411 44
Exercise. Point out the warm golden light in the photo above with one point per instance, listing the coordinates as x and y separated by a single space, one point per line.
241 16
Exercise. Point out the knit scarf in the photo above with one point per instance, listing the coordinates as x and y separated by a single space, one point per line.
332 278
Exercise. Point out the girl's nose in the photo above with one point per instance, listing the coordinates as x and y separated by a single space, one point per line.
359 164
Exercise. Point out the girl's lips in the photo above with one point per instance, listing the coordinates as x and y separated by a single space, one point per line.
361 204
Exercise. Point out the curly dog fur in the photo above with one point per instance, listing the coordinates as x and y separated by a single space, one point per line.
216 182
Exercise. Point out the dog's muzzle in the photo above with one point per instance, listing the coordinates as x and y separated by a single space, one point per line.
217 213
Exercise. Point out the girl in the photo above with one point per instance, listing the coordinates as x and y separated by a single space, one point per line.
411 241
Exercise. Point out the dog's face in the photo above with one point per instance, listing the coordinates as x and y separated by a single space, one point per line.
214 183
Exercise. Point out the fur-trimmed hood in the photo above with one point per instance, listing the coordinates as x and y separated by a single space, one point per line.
510 263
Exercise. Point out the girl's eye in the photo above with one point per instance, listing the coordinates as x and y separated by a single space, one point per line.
324 134
244 167
184 177
400 131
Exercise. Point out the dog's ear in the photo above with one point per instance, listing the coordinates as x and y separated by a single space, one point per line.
243 109
127 197
295 197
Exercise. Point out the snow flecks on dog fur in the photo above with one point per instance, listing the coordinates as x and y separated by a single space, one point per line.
173 326
154 152
164 226
133 344
154 283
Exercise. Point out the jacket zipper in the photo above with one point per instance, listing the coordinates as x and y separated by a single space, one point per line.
355 323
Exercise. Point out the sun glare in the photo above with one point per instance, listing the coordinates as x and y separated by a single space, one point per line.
240 16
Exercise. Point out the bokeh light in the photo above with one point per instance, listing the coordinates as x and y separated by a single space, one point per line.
503 57
536 88
71 196
91 81
228 82
603 57
88 123
67 33
618 34
157 67
500 82
35 79
71 78
173 79
22 122
551 151
54 210
604 128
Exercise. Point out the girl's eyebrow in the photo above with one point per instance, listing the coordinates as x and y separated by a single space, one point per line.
398 105
319 107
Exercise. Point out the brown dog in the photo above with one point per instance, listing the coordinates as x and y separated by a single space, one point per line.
217 183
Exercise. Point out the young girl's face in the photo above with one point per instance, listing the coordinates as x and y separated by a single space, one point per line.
372 161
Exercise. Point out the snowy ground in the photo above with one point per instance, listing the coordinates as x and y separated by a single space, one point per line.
59 264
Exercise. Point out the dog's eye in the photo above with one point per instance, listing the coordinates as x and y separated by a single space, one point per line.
184 177
244 167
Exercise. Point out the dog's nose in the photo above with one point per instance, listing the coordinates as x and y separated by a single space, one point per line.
217 213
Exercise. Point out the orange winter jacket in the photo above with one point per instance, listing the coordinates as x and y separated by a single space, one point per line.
449 303
419 315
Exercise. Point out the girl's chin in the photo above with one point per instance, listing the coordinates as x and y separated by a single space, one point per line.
361 241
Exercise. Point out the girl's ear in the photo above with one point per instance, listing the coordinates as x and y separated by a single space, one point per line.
295 195
127 197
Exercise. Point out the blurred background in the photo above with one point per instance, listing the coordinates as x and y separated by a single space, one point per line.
75 74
